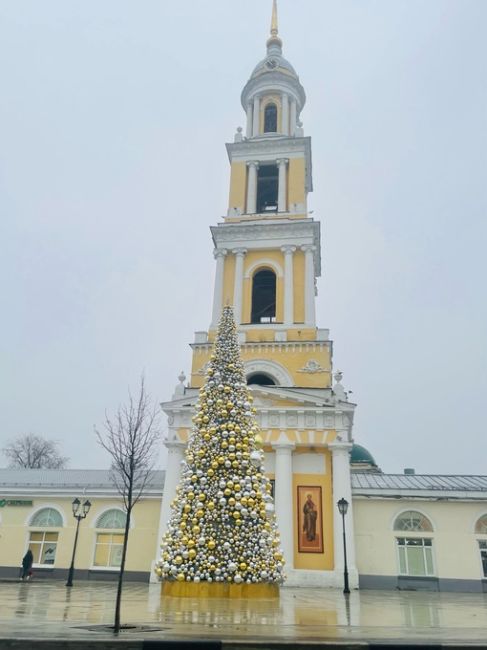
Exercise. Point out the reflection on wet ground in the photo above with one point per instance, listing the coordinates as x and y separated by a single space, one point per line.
50 610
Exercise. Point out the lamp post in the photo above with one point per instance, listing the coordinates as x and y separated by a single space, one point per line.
79 513
342 508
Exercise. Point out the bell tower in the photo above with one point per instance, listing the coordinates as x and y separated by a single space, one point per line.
268 258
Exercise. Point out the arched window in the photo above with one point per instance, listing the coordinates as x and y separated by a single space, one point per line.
43 543
415 554
109 545
112 519
413 521
270 118
264 297
481 525
47 518
260 379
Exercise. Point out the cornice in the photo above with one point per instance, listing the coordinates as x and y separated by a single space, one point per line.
269 235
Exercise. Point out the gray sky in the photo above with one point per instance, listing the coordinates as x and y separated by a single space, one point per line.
113 118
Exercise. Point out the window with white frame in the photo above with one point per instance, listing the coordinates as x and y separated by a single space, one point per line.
43 543
415 553
109 540
413 521
415 556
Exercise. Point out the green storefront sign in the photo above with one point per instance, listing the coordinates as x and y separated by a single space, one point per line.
16 502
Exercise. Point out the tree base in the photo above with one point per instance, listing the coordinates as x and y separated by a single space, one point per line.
265 591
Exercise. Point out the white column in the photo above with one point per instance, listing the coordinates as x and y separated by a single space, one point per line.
293 118
282 189
175 455
256 117
238 284
253 166
288 284
342 488
309 288
285 114
284 498
219 254
250 109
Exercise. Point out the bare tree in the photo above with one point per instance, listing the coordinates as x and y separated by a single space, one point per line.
34 452
130 438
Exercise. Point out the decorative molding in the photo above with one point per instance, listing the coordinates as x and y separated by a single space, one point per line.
277 268
271 368
313 367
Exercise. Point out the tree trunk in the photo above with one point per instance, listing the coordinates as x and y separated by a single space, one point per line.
116 626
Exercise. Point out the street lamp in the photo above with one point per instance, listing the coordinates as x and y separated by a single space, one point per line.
342 508
79 513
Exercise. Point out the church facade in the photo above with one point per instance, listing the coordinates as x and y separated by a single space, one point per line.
268 258
403 531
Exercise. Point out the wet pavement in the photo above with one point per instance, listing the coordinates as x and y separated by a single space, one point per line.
50 611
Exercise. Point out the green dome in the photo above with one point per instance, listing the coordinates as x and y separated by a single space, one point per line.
361 456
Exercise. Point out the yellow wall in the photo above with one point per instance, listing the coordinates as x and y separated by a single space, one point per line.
455 547
317 561
14 532
228 280
297 181
293 360
238 185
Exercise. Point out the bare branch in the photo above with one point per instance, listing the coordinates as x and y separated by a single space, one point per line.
30 451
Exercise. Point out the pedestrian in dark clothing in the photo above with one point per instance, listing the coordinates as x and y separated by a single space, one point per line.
27 562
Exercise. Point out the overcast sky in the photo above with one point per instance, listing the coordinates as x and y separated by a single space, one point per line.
113 119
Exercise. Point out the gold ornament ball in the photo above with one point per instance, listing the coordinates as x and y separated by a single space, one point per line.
178 559
211 544
180 577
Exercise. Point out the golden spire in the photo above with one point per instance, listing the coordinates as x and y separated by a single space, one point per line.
274 29
274 39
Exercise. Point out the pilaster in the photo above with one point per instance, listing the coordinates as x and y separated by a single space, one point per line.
288 284
284 497
219 255
342 488
238 284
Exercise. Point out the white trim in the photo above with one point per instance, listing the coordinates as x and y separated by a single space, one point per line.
275 370
264 262
42 507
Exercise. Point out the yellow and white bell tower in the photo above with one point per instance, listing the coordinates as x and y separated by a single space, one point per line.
268 257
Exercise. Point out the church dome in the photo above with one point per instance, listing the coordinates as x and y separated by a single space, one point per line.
362 456
281 65
274 73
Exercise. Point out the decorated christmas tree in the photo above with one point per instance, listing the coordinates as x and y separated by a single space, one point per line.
222 528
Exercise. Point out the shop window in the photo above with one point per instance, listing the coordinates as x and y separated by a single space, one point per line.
264 297
483 555
270 118
267 188
108 550
43 545
415 556
414 521
109 542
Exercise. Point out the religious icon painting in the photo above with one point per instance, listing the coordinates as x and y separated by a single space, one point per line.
310 519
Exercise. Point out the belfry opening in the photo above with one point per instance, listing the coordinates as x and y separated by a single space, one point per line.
264 297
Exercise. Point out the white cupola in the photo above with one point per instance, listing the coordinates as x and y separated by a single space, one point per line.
273 97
